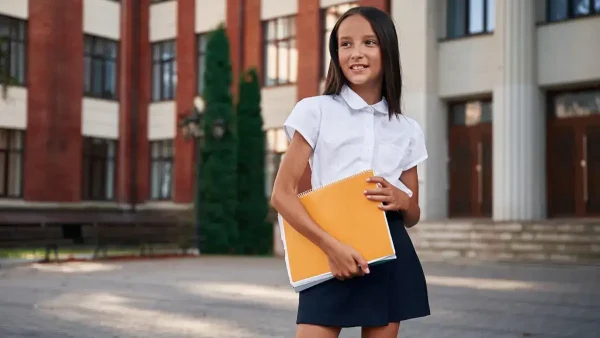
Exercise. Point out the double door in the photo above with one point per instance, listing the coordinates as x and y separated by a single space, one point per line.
470 160
573 160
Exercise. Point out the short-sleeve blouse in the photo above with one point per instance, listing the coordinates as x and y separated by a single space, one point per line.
349 136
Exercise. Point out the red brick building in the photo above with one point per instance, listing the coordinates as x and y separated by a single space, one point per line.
91 127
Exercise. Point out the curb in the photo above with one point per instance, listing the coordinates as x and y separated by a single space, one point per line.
6 264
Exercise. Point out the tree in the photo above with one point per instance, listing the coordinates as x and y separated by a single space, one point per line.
256 235
219 200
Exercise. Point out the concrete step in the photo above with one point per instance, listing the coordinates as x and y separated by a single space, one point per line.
551 241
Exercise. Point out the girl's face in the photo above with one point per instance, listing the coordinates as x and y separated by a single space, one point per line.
358 51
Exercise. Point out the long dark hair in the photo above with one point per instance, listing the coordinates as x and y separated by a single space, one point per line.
385 30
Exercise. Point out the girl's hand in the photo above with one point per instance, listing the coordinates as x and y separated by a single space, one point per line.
391 197
345 262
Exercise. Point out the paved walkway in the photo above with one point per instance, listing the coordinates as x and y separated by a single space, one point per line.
246 297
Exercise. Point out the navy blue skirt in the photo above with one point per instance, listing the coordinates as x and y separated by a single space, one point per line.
392 292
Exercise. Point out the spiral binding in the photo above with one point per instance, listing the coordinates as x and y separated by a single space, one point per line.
332 183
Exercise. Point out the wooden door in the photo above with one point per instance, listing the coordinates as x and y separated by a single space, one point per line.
470 160
591 167
485 174
573 154
461 172
562 169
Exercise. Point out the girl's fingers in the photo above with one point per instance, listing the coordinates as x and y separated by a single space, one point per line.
379 191
387 207
380 198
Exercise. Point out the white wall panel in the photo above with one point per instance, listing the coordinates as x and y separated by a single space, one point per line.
569 52
275 8
15 8
277 104
102 18
163 21
161 120
209 14
327 3
466 66
100 118
13 109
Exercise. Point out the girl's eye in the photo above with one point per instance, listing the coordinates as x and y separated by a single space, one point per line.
345 44
371 42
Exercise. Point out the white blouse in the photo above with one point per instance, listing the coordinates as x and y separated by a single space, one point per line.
348 136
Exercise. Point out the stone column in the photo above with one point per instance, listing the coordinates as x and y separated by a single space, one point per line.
417 25
518 122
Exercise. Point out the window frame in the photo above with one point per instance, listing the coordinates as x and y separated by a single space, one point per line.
162 62
15 25
570 15
325 31
16 152
105 59
466 33
201 61
290 39
89 159
162 159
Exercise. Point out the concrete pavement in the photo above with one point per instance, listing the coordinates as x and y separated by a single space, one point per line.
250 297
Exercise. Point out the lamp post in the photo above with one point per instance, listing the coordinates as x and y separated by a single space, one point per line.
193 127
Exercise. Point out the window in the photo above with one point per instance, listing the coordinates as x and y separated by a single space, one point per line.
161 169
329 16
577 104
164 70
559 10
471 113
276 147
281 55
99 157
11 162
100 67
201 43
469 17
12 48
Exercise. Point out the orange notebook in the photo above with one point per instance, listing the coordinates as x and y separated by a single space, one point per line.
342 210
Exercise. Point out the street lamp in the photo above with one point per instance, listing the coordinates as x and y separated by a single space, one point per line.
192 126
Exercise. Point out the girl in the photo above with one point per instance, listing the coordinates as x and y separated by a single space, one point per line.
354 126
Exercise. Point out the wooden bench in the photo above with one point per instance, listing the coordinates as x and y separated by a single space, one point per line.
143 236
26 236
140 237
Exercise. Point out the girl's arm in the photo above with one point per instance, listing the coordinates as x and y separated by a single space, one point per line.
412 214
284 196
343 260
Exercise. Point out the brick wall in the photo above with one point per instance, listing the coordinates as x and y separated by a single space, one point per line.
55 80
235 21
184 102
144 72
309 41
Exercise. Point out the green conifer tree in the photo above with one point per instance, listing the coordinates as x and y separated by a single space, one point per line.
218 220
256 235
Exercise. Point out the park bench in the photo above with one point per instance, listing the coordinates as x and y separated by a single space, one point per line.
34 236
144 237
139 237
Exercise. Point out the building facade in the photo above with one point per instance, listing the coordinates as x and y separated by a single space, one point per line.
506 91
